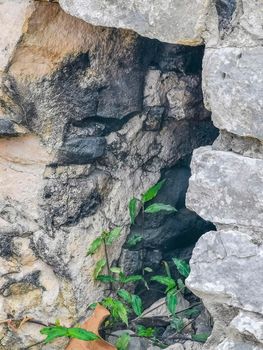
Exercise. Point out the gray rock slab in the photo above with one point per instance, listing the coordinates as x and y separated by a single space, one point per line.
226 188
172 21
233 89
225 269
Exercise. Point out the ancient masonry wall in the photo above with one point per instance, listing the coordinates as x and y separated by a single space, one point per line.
89 116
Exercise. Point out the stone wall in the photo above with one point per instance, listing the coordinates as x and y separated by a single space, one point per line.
227 180
89 117
227 183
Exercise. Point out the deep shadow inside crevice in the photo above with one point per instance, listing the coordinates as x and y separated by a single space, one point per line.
163 236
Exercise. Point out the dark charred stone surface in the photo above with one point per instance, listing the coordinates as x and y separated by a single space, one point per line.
179 58
7 128
225 10
82 151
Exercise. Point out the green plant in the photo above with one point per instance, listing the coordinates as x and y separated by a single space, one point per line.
134 240
55 332
145 332
123 341
117 309
182 267
122 304
136 204
200 337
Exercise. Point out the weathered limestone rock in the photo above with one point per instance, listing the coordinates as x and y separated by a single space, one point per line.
232 345
13 17
213 255
246 146
87 140
166 20
233 23
227 180
233 89
223 271
249 324
227 198
188 345
9 128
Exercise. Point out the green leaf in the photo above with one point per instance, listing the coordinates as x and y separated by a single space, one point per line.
117 309
121 311
113 235
106 278
145 332
131 278
167 269
123 341
133 240
116 270
92 306
95 245
82 334
108 303
181 285
125 295
177 323
98 267
133 209
136 304
53 333
167 281
182 266
152 192
200 337
157 207
171 301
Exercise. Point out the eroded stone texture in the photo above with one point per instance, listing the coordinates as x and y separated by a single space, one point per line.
13 17
166 20
230 186
92 141
224 266
233 23
188 345
233 89
227 181
246 146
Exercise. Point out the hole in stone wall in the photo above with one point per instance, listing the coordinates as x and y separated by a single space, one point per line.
155 239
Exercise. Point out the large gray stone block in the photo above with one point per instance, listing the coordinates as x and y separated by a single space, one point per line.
233 89
226 273
224 267
226 188
172 21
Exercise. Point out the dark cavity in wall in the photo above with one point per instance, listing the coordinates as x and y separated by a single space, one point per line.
225 10
163 236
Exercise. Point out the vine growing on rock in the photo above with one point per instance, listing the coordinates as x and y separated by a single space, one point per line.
125 307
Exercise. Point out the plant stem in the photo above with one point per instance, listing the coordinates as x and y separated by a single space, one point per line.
143 218
107 262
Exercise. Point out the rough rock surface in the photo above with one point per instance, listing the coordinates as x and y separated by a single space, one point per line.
227 181
217 23
89 118
228 200
167 20
235 74
93 120
188 345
